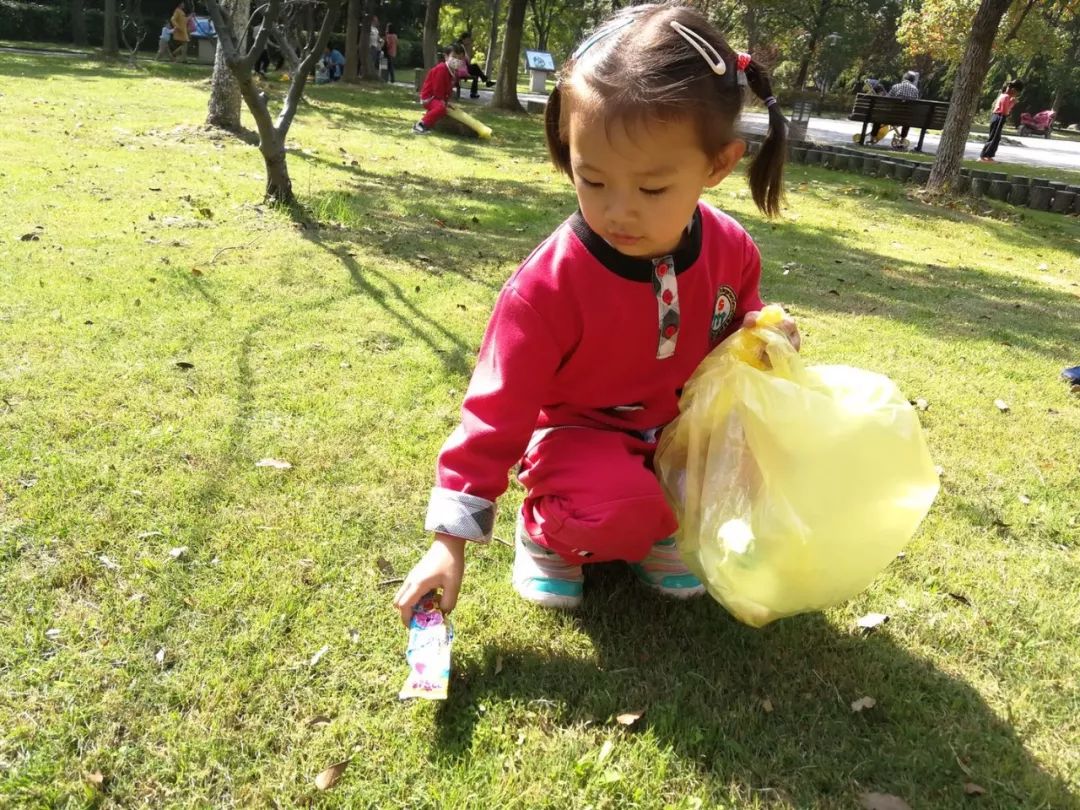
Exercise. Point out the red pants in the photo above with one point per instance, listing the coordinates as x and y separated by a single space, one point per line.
593 496
436 109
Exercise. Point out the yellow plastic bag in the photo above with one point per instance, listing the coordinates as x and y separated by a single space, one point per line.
794 485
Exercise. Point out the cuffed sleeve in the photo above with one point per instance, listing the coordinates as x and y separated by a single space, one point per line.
455 513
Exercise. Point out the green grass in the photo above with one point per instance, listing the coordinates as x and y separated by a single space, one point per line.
344 347
1011 169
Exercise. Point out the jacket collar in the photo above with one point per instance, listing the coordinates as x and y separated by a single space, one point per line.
629 267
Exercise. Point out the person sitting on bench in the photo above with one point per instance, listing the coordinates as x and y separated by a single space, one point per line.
472 69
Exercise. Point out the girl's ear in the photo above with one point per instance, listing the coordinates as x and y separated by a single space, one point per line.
724 161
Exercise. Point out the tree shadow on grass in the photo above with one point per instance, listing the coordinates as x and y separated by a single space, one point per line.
703 681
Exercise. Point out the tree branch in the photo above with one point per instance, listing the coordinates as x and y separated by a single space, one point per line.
296 88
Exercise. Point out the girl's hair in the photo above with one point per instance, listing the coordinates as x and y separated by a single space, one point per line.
638 67
1015 84
455 48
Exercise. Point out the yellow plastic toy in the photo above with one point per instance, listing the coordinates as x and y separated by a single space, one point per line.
482 130
794 485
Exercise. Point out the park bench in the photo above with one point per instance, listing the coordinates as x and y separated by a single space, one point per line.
923 114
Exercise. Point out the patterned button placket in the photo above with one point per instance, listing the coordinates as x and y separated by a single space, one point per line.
667 301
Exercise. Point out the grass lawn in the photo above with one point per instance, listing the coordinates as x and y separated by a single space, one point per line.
203 632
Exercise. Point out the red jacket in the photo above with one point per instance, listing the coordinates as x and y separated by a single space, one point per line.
575 340
439 83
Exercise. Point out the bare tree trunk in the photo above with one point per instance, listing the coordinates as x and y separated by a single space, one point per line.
493 36
369 67
969 80
78 22
431 32
506 96
272 134
750 22
223 108
352 41
111 44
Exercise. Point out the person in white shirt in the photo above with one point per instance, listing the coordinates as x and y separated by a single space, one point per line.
163 51
375 44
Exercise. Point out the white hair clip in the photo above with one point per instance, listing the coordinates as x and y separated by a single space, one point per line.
712 58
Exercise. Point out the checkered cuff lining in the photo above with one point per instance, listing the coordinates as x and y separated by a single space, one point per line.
460 515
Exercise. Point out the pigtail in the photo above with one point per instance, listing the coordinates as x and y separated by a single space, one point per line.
558 147
767 169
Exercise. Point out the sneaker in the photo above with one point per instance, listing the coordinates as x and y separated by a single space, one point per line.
474 95
420 129
543 577
489 83
664 571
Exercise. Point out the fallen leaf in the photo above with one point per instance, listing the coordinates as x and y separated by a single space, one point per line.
273 462
159 656
922 404
1001 405
148 535
328 778
195 271
959 597
29 237
629 718
322 651
1024 499
184 364
354 636
52 632
882 801
972 789
863 703
385 568
108 563
605 751
872 621
498 664
766 706
178 552
136 597
96 779
318 721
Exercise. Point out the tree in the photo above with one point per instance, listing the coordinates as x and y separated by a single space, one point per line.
543 15
506 96
493 35
431 32
78 22
272 133
352 41
223 108
132 25
969 79
110 44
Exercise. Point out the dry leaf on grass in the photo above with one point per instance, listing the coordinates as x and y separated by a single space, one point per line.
766 706
971 789
184 364
328 778
882 801
178 552
628 719
921 404
108 563
872 621
605 751
318 721
96 779
498 664
273 463
159 656
1024 499
863 703
1001 405
385 567
322 651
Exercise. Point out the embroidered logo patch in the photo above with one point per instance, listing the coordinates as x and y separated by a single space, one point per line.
723 312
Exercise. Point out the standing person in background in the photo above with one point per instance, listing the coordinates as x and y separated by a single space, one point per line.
375 44
390 49
472 69
180 36
163 42
1002 107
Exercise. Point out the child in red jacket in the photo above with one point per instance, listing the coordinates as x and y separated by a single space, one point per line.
437 87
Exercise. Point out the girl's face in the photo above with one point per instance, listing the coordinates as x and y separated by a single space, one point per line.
638 187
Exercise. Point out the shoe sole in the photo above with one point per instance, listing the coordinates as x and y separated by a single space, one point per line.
548 600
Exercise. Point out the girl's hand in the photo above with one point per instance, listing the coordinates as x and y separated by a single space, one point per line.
442 567
787 326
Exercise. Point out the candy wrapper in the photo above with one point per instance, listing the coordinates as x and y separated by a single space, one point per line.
430 637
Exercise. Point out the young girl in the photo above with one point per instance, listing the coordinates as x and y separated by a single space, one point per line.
1002 107
594 336
437 87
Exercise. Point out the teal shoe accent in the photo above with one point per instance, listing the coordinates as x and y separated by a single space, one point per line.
556 587
680 586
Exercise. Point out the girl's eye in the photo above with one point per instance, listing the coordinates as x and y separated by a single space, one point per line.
590 183
654 192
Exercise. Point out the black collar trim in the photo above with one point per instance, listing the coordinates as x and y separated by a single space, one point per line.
628 267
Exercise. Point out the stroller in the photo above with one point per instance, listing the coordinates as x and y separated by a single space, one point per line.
881 131
1038 124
